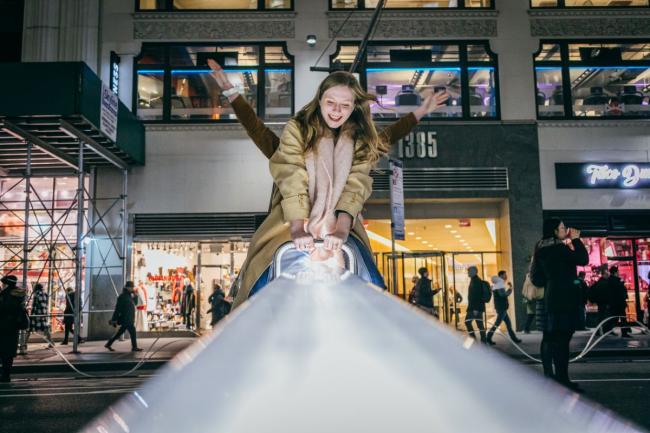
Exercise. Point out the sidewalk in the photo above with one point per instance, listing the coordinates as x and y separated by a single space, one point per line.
610 346
93 356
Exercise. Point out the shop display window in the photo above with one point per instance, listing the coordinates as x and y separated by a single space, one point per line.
182 89
588 3
51 234
593 80
191 5
413 4
402 75
163 270
632 257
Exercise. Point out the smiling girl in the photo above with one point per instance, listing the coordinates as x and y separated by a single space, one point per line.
321 171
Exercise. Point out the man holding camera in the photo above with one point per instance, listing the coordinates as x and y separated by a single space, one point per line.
124 315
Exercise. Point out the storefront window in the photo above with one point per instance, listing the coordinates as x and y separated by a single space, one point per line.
52 233
188 5
631 257
163 270
402 75
588 3
174 82
411 4
595 79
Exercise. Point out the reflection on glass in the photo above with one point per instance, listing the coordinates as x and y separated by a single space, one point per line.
610 91
278 93
225 56
477 53
277 4
549 52
196 95
401 90
430 4
275 55
151 4
608 54
605 3
544 3
346 54
412 53
589 3
344 4
150 94
215 4
482 95
550 98
152 55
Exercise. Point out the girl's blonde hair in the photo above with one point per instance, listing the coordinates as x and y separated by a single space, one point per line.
359 125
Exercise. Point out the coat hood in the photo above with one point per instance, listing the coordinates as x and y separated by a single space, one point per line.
498 283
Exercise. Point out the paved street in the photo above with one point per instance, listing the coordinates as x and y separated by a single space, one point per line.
62 403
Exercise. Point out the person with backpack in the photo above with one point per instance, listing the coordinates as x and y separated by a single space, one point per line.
219 307
598 294
478 295
501 305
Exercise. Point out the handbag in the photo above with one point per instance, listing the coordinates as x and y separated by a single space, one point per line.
531 291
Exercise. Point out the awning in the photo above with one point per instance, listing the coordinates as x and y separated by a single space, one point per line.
54 106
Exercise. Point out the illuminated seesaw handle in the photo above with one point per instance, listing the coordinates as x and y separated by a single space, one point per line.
280 262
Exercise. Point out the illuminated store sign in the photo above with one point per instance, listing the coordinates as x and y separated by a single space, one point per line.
114 78
621 175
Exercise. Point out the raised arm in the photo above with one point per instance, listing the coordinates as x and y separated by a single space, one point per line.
403 126
265 139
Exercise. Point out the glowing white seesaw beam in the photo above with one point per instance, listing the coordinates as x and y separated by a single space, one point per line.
340 355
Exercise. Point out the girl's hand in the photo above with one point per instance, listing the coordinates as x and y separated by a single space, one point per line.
431 103
221 78
335 241
302 240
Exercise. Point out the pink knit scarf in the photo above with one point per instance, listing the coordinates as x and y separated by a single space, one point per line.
328 168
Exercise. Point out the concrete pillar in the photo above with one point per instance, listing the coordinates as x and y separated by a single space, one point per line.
61 30
41 31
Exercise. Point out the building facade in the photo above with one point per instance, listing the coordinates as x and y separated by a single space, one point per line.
533 86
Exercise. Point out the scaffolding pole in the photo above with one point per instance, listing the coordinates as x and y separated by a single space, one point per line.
79 250
125 223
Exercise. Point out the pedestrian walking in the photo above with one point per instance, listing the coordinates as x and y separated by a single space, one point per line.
413 294
13 318
618 301
478 294
554 268
124 316
501 305
68 316
39 320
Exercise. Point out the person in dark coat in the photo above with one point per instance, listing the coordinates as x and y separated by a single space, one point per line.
11 309
124 316
425 292
188 304
618 301
554 268
598 294
475 303
501 305
39 320
68 316
219 307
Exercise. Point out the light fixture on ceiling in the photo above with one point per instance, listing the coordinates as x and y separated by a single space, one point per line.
457 236
453 231
311 40
418 238
447 226
410 233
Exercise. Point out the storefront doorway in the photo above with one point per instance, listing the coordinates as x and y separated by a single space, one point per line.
632 257
162 271
446 248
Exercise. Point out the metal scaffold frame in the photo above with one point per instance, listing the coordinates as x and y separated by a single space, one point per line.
91 227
